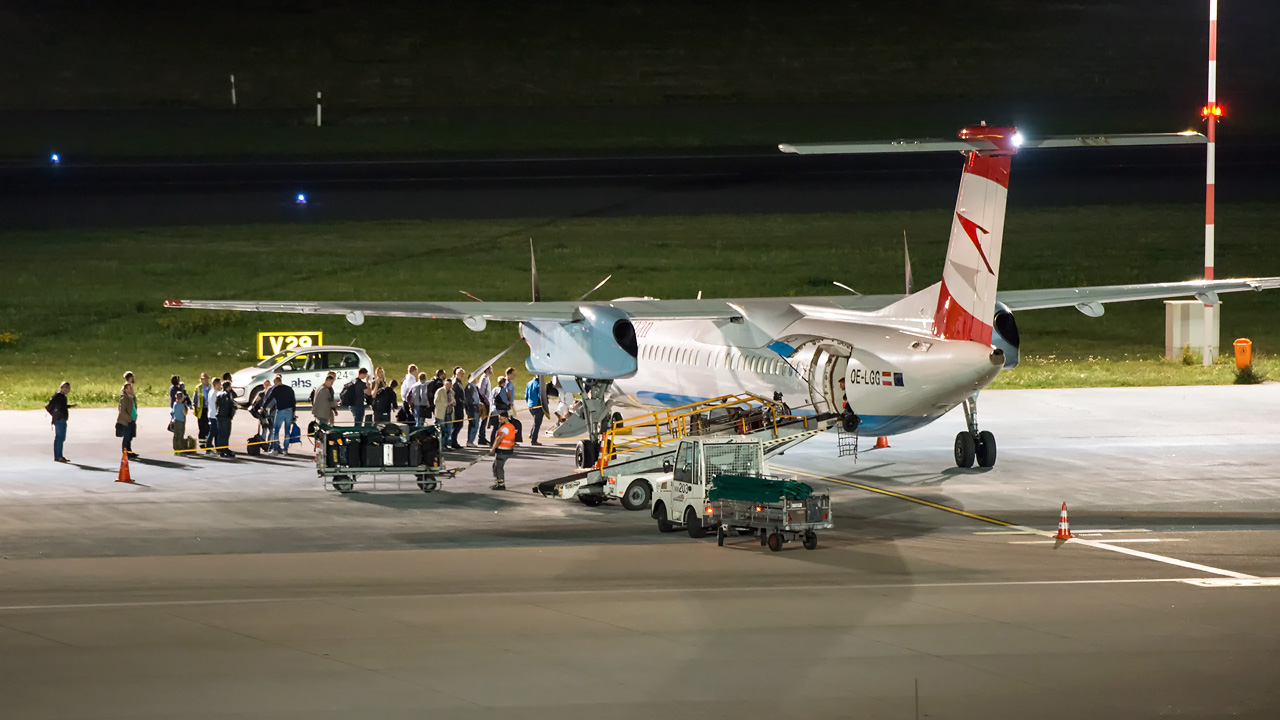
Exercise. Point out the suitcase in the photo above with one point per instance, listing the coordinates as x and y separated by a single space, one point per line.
414 452
189 443
400 454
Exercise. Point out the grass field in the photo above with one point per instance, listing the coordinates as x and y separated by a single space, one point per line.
86 305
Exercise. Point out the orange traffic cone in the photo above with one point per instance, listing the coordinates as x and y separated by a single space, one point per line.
1064 525
882 442
124 468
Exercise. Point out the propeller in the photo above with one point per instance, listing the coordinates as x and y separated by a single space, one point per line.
536 291
906 253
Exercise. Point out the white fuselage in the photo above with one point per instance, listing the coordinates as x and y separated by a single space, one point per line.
898 376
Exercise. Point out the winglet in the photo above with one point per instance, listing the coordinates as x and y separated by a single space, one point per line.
173 303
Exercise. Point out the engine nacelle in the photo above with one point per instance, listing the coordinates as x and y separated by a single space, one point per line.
600 343
1004 335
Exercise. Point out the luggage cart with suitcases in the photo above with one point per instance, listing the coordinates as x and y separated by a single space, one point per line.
381 457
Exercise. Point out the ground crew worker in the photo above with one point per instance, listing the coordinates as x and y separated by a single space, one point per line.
504 445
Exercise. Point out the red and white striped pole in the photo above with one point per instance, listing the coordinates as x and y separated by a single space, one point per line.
1211 112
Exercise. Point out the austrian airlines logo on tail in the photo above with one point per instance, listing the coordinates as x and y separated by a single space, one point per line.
972 229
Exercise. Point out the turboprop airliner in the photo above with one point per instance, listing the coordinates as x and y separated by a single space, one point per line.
905 360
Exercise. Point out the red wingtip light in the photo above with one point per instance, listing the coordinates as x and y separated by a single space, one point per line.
173 303
1214 110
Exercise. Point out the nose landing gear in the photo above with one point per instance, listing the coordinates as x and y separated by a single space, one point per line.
974 445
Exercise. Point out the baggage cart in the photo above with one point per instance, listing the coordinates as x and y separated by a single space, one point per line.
387 456
775 522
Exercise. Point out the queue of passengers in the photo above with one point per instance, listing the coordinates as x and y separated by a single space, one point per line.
443 400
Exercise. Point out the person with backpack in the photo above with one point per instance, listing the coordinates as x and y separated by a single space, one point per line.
224 404
433 385
471 397
384 401
324 404
421 401
353 396
406 389
284 400
498 405
59 410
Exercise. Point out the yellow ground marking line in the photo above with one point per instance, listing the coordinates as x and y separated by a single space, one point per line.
909 498
1032 531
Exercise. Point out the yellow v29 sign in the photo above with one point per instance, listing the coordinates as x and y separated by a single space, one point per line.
270 343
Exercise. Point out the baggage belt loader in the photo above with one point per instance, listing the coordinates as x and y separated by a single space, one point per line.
640 451
722 484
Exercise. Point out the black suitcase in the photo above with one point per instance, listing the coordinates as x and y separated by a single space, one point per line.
414 450
400 454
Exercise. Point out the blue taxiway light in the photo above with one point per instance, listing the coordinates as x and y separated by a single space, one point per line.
55 159
302 199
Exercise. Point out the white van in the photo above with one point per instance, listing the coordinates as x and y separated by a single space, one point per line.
303 369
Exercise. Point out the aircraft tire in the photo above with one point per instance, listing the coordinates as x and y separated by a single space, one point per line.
586 454
965 449
986 450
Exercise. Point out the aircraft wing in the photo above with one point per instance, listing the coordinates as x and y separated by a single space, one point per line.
476 311
1090 299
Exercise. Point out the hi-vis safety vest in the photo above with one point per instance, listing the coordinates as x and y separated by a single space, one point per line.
507 437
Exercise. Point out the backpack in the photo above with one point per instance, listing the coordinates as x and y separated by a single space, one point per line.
349 392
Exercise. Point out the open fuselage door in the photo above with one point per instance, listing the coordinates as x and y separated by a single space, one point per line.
823 362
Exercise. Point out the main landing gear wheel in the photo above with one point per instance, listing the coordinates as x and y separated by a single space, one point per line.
966 449
986 450
587 453
344 484
693 523
775 542
637 495
591 500
810 540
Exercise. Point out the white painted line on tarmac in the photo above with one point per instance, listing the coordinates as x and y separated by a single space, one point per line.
1234 582
1022 528
1119 540
1146 555
533 594
1079 532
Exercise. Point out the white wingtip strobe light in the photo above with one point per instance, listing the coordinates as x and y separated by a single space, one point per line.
55 159
1017 139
